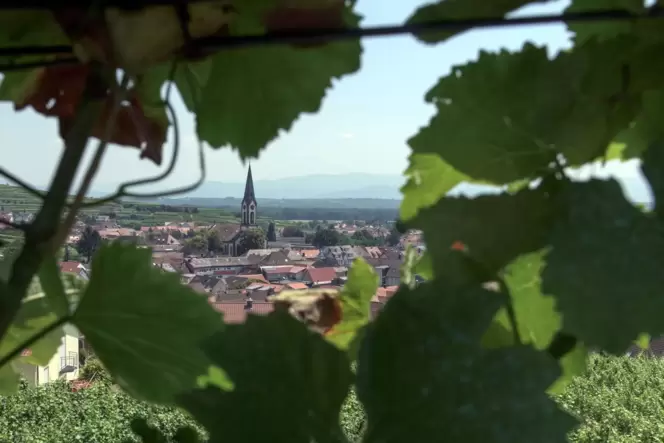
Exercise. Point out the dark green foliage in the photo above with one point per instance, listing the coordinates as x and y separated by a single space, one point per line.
292 231
250 239
271 232
326 237
89 242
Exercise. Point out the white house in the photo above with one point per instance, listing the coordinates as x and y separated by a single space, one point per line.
63 365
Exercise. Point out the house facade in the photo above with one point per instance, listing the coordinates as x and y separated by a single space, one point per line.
63 365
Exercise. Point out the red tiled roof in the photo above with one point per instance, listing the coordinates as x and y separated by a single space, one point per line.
235 312
321 274
69 267
278 270
310 253
227 231
253 277
296 286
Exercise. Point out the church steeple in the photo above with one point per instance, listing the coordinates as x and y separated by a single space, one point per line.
249 204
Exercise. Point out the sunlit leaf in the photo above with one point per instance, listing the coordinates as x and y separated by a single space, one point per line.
144 325
259 92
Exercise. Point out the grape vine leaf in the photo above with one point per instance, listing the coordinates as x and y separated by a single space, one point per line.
536 315
23 28
646 128
607 29
190 79
145 326
524 128
429 179
573 364
652 161
41 307
136 40
461 10
55 91
258 92
9 379
355 299
274 361
18 86
603 267
258 16
519 223
429 339
51 283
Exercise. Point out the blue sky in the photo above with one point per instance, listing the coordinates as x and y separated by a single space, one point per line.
362 127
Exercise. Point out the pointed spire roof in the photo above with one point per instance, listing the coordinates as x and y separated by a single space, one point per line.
249 188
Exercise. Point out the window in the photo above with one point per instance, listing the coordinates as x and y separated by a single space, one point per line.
253 216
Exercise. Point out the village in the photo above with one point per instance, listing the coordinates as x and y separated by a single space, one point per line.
239 276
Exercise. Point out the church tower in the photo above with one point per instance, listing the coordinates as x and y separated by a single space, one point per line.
249 205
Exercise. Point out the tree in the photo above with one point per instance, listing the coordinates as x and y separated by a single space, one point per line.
250 239
365 238
326 237
89 242
214 243
271 232
292 231
393 238
196 244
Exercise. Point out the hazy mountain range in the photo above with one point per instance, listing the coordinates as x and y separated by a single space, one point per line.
310 187
323 186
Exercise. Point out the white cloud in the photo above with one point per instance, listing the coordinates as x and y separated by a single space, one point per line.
347 135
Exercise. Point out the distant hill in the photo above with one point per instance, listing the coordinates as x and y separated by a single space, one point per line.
294 203
320 186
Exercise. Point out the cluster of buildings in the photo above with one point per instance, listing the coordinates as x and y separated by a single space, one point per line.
17 217
234 284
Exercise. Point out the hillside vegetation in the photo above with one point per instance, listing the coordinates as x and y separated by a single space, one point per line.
619 400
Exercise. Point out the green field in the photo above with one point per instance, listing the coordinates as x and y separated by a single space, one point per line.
156 213
129 214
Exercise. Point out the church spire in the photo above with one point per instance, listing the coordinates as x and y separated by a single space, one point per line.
249 204
249 187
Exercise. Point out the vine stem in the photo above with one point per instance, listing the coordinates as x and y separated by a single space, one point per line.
33 339
39 234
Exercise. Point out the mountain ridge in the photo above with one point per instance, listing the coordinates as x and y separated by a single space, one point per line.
312 186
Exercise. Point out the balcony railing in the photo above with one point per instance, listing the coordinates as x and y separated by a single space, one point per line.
69 363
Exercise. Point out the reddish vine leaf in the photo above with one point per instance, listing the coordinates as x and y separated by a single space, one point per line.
56 92
88 32
331 14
